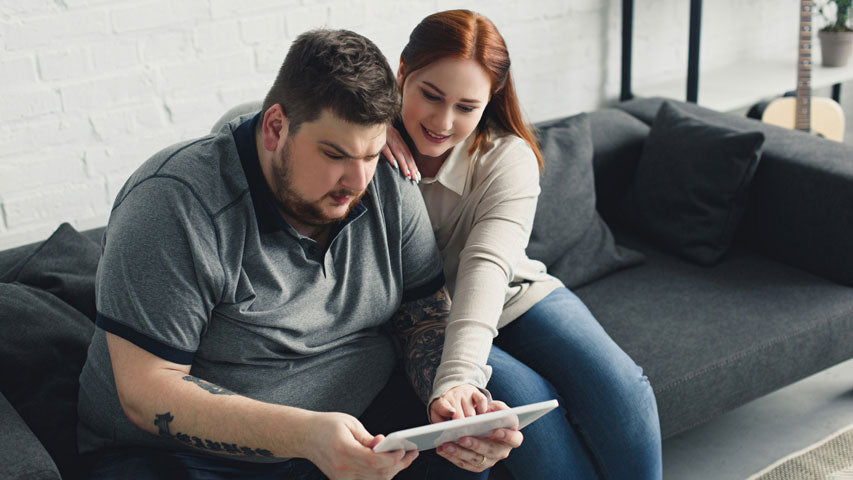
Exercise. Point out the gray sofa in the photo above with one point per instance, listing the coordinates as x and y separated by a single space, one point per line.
775 307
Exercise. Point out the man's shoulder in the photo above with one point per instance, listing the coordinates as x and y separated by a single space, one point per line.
208 168
389 186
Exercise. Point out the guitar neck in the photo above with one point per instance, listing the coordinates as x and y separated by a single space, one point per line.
804 67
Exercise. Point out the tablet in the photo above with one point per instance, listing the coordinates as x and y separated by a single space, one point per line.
433 435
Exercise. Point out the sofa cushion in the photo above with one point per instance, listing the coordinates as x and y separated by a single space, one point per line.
63 265
47 336
22 455
692 183
786 219
617 139
712 339
568 235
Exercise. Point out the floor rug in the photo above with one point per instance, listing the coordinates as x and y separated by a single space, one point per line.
829 459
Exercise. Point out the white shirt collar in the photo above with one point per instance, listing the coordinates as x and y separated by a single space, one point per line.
453 173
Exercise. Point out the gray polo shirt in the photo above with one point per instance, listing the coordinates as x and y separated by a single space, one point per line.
200 269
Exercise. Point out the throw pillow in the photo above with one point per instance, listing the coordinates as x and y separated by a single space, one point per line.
692 183
44 345
65 266
46 313
568 235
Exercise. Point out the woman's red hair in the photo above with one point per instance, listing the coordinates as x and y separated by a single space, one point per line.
464 34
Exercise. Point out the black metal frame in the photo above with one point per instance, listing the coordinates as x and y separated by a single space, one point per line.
692 56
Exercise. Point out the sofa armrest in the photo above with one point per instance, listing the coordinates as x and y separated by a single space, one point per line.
801 204
22 456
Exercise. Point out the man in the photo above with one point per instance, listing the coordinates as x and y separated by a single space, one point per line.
255 284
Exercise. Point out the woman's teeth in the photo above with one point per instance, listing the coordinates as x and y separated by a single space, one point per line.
433 135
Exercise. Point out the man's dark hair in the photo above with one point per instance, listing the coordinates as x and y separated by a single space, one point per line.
337 70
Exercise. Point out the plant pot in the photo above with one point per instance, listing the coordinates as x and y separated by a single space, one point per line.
835 48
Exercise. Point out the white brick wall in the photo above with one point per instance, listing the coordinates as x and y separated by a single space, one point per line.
90 88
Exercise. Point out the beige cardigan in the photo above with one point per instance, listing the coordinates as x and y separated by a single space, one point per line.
482 239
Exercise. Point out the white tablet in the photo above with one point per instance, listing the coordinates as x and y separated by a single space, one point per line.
433 435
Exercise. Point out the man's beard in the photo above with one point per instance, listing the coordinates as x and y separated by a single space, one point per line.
291 204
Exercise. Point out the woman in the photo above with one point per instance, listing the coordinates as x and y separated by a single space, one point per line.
462 136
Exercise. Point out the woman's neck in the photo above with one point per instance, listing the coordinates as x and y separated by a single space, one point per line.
429 166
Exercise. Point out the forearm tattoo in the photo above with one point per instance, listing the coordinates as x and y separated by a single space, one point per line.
163 423
214 389
420 325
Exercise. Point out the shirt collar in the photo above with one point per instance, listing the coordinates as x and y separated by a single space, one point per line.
453 173
269 220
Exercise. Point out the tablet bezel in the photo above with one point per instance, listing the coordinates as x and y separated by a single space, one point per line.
427 437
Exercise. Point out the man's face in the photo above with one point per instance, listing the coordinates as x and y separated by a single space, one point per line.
321 172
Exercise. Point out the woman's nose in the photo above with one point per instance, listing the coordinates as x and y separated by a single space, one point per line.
442 120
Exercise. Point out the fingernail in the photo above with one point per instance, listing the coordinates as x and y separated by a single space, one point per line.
466 442
450 449
395 164
500 434
451 410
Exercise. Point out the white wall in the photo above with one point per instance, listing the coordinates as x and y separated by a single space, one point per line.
90 88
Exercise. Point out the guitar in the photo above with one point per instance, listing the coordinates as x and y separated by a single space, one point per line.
821 116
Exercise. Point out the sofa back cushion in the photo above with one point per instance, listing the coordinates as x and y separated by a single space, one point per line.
568 235
617 142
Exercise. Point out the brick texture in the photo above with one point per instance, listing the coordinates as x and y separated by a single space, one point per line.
90 88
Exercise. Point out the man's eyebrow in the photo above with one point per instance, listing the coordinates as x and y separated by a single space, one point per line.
343 152
466 100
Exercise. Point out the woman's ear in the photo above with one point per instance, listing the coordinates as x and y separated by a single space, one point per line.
274 127
400 77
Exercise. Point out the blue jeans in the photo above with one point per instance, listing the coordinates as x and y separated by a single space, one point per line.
607 425
396 407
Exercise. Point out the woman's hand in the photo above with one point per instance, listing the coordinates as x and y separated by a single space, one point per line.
474 454
399 155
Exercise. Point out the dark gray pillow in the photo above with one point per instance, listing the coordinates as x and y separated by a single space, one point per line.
63 265
692 184
568 235
45 322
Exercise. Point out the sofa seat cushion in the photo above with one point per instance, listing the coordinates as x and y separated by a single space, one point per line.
712 338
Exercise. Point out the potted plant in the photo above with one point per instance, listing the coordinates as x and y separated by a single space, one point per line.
836 37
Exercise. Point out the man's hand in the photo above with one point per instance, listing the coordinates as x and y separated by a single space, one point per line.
473 453
342 448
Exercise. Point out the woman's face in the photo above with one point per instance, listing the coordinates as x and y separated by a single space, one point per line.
443 102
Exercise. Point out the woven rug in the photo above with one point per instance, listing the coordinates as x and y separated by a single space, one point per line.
829 459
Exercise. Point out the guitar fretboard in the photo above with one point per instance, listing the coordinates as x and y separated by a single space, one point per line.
804 68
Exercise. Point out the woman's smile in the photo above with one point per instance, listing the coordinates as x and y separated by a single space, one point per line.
433 136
